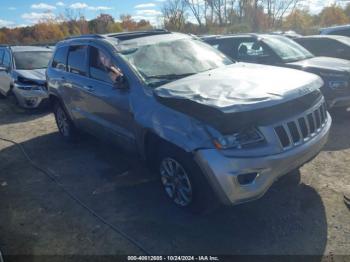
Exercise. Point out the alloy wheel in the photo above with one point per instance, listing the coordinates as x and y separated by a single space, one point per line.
176 182
62 122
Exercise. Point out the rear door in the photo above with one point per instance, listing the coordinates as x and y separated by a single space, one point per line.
5 76
74 87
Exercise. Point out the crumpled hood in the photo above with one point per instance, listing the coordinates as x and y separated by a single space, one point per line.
241 87
35 74
326 63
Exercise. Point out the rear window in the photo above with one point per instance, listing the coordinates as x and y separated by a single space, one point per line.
77 60
30 60
60 59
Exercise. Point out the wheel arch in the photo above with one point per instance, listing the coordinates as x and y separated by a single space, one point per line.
151 142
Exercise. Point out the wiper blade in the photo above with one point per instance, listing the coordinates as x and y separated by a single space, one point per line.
170 76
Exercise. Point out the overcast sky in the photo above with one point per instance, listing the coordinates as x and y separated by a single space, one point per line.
27 12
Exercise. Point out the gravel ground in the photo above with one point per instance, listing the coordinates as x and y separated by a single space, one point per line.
301 214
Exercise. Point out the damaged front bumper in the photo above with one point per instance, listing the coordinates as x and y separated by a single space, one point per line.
236 180
30 98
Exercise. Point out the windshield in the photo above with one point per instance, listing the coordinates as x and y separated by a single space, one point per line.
32 59
343 39
287 49
162 62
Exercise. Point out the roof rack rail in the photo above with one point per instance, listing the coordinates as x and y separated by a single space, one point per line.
84 36
137 34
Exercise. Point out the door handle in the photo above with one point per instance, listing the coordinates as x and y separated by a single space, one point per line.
89 88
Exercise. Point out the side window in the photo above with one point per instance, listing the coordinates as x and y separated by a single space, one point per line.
1 55
313 45
322 47
333 48
60 59
250 51
101 66
6 59
77 58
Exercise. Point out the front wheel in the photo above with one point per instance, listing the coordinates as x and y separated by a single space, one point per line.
176 182
183 181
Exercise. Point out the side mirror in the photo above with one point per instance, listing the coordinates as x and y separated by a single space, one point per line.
121 83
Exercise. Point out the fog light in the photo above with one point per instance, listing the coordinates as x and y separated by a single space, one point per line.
246 179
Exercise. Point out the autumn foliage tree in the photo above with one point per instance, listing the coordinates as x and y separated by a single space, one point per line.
50 31
333 15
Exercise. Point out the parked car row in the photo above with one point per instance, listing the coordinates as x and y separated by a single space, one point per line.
281 51
216 130
22 74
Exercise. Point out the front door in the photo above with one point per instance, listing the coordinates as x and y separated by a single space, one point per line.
5 75
108 100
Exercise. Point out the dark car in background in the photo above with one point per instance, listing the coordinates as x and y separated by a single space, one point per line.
22 74
327 45
343 30
282 51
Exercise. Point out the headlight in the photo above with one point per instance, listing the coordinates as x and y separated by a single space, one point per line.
27 84
240 139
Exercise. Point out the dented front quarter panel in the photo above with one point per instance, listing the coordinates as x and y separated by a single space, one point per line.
171 125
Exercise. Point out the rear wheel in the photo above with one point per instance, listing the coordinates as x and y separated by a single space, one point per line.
64 123
183 181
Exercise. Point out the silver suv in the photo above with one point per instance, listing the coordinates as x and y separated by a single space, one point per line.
213 128
22 74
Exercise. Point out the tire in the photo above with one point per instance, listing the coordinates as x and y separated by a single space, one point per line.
189 190
13 99
64 124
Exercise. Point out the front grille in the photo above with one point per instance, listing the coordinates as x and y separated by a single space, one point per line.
301 129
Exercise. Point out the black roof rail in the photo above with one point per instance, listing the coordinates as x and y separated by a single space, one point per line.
137 34
85 36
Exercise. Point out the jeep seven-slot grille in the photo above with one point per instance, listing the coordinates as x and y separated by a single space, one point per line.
297 131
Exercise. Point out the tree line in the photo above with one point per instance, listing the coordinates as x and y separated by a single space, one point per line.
50 31
232 16
190 16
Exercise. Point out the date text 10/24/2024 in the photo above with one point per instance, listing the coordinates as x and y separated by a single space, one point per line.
173 258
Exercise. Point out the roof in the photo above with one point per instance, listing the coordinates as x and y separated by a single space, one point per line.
254 35
127 40
30 48
334 28
121 36
213 37
336 37
342 39
137 34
